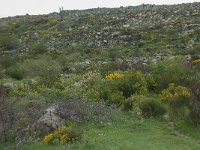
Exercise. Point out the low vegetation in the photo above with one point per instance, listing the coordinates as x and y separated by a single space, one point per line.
60 95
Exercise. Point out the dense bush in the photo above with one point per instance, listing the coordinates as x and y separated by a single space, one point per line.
38 48
130 103
16 72
80 110
2 72
147 105
152 107
169 72
195 104
62 135
175 95
119 86
132 83
47 69
8 42
16 119
178 99
8 60
7 116
195 71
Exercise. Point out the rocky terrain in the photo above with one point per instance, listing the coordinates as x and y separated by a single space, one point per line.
103 78
144 29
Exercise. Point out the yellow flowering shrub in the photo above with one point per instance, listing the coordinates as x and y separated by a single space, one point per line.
178 99
174 92
39 88
115 75
49 138
59 35
172 65
59 135
52 28
196 61
20 89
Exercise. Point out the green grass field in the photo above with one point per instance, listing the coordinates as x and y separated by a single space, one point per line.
125 134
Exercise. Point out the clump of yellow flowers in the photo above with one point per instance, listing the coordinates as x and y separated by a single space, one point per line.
39 88
49 138
59 135
196 61
175 92
115 75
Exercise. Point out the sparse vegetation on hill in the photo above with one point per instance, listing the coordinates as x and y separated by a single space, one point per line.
120 78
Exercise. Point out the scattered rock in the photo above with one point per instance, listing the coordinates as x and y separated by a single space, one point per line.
51 118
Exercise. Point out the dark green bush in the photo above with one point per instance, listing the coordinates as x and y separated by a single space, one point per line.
148 106
2 74
116 90
117 98
178 99
8 42
152 107
44 67
169 72
106 90
15 72
132 83
8 116
7 60
195 104
38 48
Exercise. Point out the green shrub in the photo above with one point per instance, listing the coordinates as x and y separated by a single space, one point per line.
195 71
117 97
79 109
177 96
152 107
38 48
130 103
105 92
2 73
132 83
109 92
15 72
15 117
178 99
44 67
58 136
8 42
7 60
118 86
148 106
195 104
169 72
8 116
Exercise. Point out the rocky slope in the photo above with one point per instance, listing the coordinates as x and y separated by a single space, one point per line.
146 28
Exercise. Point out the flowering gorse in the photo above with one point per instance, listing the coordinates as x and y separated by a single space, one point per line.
39 88
174 92
59 135
196 61
116 75
49 138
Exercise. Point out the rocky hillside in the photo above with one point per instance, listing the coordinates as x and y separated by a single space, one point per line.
149 29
